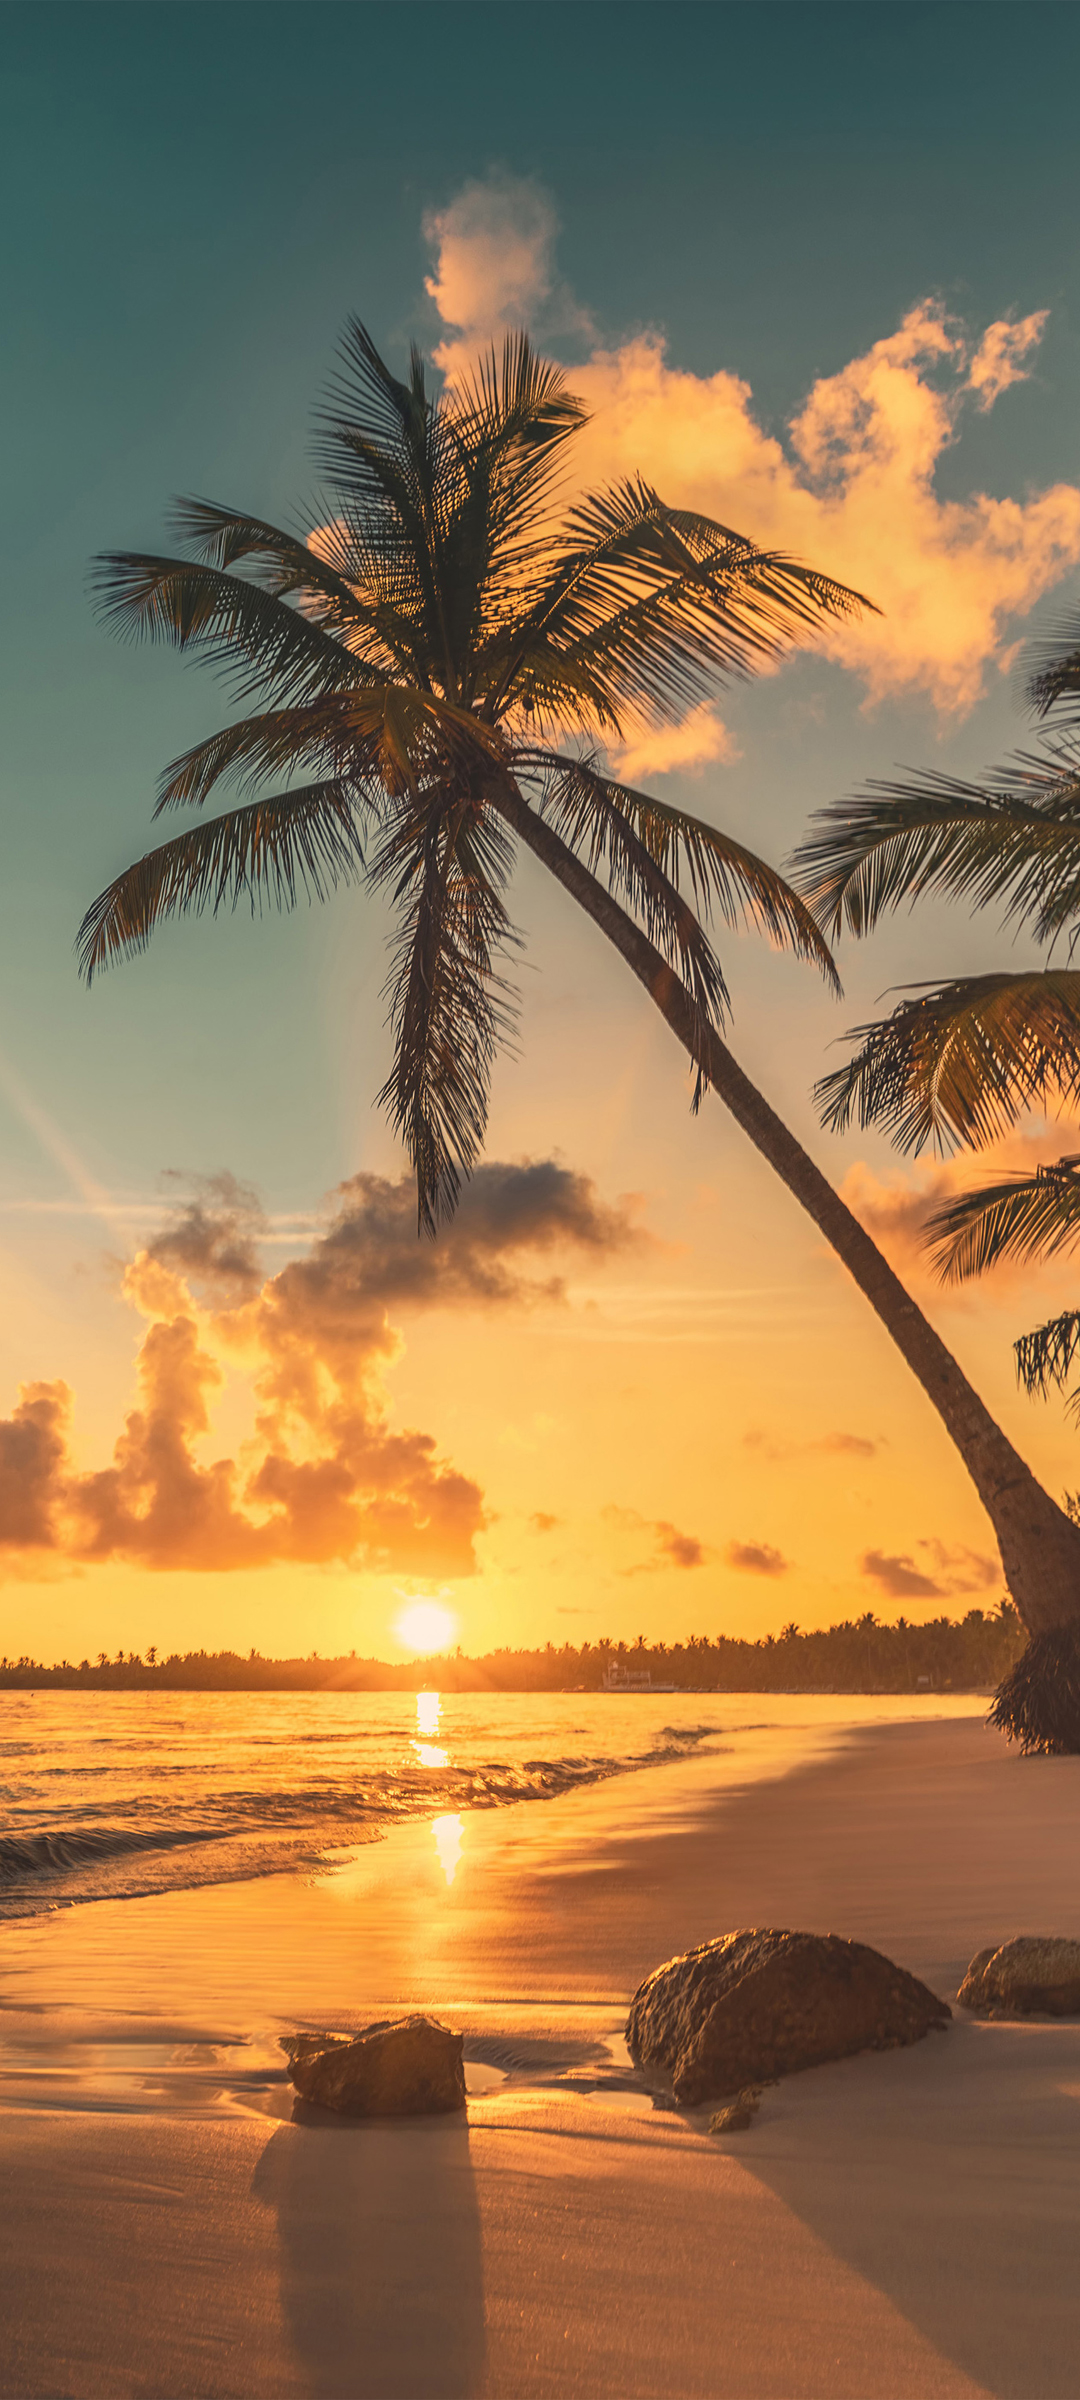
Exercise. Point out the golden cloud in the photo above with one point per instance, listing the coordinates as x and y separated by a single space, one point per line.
325 1477
851 487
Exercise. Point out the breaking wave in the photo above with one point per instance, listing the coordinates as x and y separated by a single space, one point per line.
92 1850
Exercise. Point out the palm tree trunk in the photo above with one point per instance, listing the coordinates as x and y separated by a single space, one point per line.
1040 1546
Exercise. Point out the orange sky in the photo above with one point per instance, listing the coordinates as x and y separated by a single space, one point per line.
631 1393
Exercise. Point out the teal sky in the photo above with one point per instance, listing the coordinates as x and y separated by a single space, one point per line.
195 198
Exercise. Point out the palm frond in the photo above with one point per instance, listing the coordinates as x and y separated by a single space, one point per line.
1045 1357
1022 1216
270 744
1014 839
658 602
1053 665
449 1006
251 634
960 1062
305 841
584 810
721 872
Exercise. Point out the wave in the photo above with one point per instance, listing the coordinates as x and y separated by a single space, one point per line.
58 1850
266 1830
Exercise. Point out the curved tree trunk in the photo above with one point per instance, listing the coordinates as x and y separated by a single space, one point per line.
1040 1546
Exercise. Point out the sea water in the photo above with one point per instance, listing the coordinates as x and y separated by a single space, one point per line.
107 1796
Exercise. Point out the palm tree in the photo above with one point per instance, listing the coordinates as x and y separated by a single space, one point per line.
959 1063
423 653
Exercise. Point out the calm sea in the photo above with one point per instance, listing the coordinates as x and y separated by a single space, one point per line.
111 1795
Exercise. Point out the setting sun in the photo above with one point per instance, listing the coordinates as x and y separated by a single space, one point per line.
425 1626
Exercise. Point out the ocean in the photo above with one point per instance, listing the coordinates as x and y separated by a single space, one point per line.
107 1796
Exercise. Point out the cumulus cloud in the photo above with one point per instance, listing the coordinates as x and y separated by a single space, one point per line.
896 1208
325 1477
494 268
543 1522
957 1570
851 486
756 1558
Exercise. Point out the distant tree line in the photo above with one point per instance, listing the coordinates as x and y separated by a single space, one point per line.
860 1655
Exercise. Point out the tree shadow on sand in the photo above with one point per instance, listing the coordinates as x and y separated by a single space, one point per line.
949 2179
379 2235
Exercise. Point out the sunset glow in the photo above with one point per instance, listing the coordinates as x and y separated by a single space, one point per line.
426 1627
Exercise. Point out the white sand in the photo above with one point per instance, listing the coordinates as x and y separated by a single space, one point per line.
905 2225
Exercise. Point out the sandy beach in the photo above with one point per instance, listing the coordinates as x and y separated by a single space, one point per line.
895 2225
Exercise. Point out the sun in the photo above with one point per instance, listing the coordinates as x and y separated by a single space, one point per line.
425 1626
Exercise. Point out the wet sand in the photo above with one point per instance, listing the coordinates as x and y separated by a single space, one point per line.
890 2226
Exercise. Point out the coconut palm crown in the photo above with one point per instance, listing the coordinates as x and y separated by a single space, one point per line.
960 1063
435 661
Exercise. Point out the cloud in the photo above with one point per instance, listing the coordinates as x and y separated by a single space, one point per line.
899 1577
702 739
213 1235
494 268
896 1208
542 1522
677 1549
998 361
829 1445
325 1477
756 1558
683 1549
958 1570
851 485
962 1570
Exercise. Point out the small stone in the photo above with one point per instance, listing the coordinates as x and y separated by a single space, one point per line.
1033 1975
739 2112
410 2068
762 2003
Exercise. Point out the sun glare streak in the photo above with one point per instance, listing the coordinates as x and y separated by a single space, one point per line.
59 1149
425 1626
428 1712
449 1835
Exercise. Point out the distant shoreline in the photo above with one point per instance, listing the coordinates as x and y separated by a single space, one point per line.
970 1654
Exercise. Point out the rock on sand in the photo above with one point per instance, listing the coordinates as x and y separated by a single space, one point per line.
411 2068
1033 1975
754 2005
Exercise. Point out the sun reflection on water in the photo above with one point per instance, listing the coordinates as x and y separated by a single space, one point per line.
428 1712
449 1835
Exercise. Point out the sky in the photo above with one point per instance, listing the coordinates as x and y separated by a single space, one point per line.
813 269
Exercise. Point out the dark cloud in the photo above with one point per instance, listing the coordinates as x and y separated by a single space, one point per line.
956 1570
756 1558
683 1549
899 1576
213 1236
326 1478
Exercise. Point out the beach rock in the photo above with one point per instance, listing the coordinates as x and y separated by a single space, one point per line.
754 2005
739 2113
1033 1975
412 2068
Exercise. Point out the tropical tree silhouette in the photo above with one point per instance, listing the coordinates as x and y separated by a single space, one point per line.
434 658
959 1064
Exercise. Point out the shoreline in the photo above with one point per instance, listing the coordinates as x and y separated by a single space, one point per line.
895 2225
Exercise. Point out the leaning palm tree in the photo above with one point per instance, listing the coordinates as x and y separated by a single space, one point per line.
958 1064
434 655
